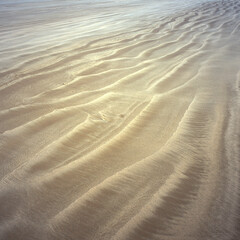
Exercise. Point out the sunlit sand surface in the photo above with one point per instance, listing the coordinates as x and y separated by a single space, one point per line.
120 120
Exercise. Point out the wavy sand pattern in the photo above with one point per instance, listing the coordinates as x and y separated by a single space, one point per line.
130 135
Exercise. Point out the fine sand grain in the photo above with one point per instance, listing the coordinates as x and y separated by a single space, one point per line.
128 134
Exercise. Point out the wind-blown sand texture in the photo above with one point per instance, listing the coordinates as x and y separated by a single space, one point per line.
127 134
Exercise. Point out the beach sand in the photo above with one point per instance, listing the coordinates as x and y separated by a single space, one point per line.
128 134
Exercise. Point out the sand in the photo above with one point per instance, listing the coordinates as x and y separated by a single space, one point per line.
125 128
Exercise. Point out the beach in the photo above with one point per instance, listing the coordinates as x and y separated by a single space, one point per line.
119 120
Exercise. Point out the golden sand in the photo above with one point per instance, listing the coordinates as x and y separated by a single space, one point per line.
130 135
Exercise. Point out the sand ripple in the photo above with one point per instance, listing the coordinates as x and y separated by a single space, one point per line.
132 134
